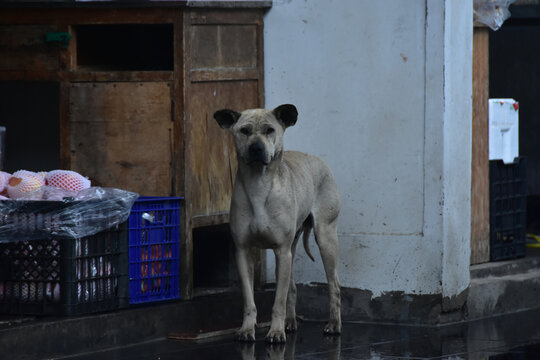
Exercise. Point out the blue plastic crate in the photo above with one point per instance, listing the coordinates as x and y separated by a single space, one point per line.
154 249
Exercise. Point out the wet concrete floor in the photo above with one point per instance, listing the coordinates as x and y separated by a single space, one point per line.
515 336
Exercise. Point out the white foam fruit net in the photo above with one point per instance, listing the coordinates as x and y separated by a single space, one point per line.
58 203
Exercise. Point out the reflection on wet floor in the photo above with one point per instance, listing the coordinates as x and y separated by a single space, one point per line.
514 336
525 352
330 349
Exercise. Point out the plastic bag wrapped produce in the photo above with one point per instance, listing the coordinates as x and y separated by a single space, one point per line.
492 13
74 215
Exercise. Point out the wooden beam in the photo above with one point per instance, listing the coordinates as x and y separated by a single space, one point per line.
83 75
88 16
210 220
480 149
186 242
223 75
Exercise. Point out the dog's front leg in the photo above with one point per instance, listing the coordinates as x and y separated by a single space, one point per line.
244 263
276 334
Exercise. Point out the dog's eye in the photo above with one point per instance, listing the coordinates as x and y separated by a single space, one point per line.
270 131
245 131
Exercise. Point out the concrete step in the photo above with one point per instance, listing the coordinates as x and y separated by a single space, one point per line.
48 337
504 287
503 268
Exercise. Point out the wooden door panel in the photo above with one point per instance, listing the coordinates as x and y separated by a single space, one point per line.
224 46
121 135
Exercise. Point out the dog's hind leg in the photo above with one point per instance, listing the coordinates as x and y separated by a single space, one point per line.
327 240
290 319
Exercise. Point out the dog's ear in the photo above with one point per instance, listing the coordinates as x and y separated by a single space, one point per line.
286 114
226 118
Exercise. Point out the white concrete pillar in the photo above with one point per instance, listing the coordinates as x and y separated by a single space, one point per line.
383 90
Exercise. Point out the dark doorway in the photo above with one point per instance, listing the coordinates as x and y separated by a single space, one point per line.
213 258
514 69
30 111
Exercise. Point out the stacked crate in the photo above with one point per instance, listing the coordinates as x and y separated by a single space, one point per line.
154 249
59 276
133 263
508 205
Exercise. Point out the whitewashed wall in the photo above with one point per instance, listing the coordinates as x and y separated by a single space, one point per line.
383 90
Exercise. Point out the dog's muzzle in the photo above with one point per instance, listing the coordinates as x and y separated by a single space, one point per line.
257 153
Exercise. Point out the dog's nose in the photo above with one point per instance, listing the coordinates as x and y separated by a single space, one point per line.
257 152
256 148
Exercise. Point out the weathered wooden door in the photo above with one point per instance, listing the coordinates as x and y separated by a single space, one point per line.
223 68
121 135
223 59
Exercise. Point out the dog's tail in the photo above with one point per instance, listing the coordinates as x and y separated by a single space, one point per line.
307 226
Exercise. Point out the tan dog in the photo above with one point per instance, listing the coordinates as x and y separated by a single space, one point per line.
278 195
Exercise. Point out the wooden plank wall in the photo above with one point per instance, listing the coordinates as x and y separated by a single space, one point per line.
480 148
223 68
218 63
23 48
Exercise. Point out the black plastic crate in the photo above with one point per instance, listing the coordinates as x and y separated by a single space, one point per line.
59 276
508 204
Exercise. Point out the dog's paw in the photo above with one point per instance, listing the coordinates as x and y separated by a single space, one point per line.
276 337
332 328
245 335
291 325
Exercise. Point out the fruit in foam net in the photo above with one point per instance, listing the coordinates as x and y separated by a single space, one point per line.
66 179
4 178
23 182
